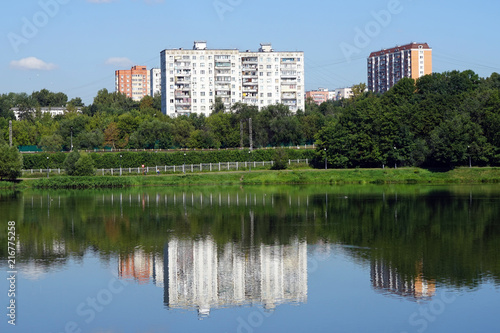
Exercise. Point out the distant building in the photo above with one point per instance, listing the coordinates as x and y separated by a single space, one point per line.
318 96
155 84
343 93
53 110
134 83
388 66
192 79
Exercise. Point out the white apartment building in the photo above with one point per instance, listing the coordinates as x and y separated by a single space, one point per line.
155 84
192 79
343 93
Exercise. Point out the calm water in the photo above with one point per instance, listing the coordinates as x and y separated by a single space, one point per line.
255 259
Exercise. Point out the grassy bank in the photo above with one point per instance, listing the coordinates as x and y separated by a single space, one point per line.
306 176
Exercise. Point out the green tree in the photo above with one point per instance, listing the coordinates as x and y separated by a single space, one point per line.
218 106
70 162
280 159
152 134
11 162
52 142
84 166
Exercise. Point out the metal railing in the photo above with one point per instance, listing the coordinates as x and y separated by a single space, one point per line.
183 168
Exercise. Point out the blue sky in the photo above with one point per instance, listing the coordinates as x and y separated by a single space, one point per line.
74 46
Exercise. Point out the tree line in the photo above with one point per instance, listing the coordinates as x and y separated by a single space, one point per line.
440 120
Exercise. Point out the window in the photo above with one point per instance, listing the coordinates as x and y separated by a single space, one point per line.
202 101
269 94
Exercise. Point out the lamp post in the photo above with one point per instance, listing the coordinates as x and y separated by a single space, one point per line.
250 160
71 147
47 167
184 166
120 164
395 160
470 162
326 166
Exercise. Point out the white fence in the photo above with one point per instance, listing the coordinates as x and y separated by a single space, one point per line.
202 167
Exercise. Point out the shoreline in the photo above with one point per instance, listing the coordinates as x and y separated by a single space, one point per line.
463 175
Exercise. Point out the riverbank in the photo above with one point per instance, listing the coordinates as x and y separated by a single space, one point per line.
262 177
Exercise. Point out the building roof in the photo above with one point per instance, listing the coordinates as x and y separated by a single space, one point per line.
410 46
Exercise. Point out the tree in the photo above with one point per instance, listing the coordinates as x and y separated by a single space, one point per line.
152 134
90 140
358 90
280 159
70 161
11 162
84 166
111 135
218 106
52 142
76 102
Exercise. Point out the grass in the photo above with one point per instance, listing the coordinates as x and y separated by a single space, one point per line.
294 176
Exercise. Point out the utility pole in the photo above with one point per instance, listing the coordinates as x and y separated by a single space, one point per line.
241 134
250 132
10 133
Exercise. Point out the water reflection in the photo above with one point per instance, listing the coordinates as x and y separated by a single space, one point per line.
389 280
198 274
210 248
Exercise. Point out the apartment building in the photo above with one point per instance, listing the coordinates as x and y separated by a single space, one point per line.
318 96
135 83
155 84
386 67
192 79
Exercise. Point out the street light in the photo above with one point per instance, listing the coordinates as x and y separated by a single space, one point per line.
326 167
184 165
395 160
47 167
120 164
71 148
250 160
470 162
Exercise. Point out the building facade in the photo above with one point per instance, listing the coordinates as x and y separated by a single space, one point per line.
388 66
192 79
318 96
134 83
155 84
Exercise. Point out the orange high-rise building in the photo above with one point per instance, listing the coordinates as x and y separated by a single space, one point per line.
134 82
388 66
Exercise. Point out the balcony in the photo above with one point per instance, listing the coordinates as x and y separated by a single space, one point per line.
183 102
222 65
289 96
250 60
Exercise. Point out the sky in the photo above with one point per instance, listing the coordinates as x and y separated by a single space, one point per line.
74 46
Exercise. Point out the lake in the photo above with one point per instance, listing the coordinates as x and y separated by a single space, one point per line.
249 259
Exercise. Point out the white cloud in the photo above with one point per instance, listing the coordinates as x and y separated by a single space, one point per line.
32 63
119 61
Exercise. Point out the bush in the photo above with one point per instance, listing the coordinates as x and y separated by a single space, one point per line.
280 159
84 166
70 162
11 162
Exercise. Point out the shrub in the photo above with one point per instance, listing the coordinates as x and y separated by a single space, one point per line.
11 162
70 162
84 166
280 159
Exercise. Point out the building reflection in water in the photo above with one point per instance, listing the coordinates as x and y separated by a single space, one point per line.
387 279
199 274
